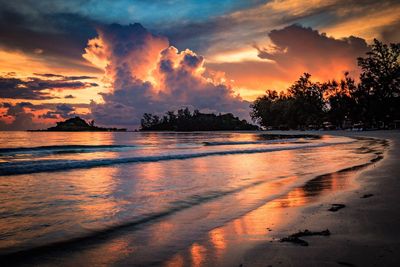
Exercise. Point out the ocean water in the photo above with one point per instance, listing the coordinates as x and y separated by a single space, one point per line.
141 199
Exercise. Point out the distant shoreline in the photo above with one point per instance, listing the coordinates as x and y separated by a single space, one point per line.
119 130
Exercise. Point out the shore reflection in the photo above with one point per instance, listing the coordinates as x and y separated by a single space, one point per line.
223 242
199 211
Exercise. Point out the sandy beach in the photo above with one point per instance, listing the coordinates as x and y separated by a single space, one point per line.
364 233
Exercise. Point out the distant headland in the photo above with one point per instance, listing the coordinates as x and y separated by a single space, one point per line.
77 125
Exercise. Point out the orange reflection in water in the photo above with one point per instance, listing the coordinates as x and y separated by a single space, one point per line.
176 261
197 252
151 171
96 184
107 254
255 226
162 233
217 238
294 198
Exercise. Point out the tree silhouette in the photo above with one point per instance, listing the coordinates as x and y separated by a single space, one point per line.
184 120
380 83
374 102
303 106
342 106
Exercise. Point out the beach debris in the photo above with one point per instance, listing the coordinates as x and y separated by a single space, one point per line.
336 207
378 158
367 195
295 238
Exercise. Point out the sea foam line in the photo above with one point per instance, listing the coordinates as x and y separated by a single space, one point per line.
228 143
26 167
62 149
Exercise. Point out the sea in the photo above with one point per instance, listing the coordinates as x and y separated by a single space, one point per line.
160 198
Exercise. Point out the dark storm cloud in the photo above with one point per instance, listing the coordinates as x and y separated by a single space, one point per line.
57 38
37 88
295 41
59 30
22 119
391 33
246 26
23 115
66 78
63 111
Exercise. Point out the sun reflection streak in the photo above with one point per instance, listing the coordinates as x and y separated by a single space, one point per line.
176 261
217 238
197 252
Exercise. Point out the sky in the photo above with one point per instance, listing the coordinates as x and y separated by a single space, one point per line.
112 61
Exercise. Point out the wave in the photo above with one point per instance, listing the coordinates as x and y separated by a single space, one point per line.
228 143
61 149
15 254
27 167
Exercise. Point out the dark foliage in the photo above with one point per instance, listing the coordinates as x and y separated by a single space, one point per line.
184 120
302 106
379 90
373 103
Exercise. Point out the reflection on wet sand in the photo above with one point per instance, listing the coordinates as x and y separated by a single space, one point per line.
223 242
218 240
198 252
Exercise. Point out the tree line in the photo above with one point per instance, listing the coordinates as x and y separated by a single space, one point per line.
373 102
185 120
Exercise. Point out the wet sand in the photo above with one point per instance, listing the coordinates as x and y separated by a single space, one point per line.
363 232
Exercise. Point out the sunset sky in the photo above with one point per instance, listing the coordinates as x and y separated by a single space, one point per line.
111 61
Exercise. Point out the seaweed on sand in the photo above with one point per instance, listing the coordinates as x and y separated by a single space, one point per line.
295 238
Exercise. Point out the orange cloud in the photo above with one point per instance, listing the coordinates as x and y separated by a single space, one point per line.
295 50
148 75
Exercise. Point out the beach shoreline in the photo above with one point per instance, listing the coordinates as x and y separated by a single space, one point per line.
251 237
364 233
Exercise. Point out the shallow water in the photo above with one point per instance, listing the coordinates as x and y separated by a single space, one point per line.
144 198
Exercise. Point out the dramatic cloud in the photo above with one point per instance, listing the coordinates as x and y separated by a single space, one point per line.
17 117
242 51
298 47
367 19
294 50
148 75
56 40
60 29
35 88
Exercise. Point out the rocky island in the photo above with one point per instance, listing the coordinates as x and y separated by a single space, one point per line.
78 125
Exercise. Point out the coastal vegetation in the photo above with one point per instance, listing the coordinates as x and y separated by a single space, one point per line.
371 102
185 120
